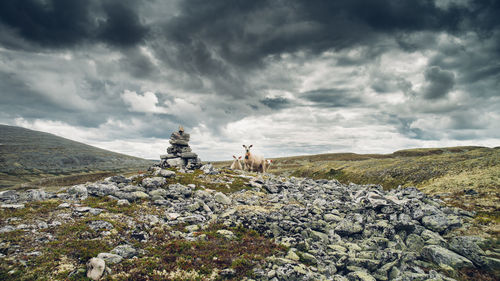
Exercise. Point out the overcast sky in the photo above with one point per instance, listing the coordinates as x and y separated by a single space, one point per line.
289 77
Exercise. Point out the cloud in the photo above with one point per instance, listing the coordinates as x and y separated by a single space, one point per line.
332 97
439 82
147 102
293 77
59 23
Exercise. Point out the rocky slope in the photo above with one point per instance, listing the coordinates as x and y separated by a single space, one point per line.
212 225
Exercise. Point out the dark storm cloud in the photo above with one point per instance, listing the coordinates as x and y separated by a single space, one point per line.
332 98
276 27
276 103
61 23
440 82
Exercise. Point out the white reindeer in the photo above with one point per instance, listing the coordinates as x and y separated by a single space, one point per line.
236 165
254 162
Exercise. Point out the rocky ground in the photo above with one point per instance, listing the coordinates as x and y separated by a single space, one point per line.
213 225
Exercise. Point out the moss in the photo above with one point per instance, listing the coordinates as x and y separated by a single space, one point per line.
112 206
215 253
31 210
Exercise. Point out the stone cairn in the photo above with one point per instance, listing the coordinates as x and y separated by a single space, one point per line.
179 153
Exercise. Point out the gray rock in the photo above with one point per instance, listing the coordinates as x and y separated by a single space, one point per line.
209 169
440 255
9 195
118 179
100 225
415 243
178 190
95 268
78 191
492 264
35 195
164 173
175 162
468 247
222 198
122 202
7 228
178 142
438 222
140 195
110 258
360 276
97 189
154 182
348 227
168 156
189 155
126 251
432 238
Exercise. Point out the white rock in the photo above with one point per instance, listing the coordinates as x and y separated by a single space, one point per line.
122 202
95 268
12 206
222 198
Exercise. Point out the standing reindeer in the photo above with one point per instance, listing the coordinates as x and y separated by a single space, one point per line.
236 165
256 163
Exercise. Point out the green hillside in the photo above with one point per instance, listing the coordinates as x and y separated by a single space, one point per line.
42 158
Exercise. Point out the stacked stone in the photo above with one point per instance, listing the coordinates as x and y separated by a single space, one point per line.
180 154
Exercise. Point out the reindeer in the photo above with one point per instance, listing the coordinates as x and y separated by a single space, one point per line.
254 162
236 165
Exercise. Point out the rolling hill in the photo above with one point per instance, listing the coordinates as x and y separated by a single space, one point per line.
28 156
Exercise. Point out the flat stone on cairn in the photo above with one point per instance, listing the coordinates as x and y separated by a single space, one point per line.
180 154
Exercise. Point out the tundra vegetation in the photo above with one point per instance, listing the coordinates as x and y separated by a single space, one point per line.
222 224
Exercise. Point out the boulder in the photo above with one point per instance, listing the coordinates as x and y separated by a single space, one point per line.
438 222
440 256
468 247
222 198
175 162
189 155
95 268
154 182
125 251
360 276
110 258
78 191
8 195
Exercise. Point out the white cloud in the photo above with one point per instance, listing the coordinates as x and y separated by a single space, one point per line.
146 103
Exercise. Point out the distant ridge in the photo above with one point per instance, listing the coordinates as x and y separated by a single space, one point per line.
27 154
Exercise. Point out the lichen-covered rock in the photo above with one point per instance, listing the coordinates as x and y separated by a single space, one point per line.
360 276
468 247
78 191
110 258
153 182
222 198
437 222
126 251
440 255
